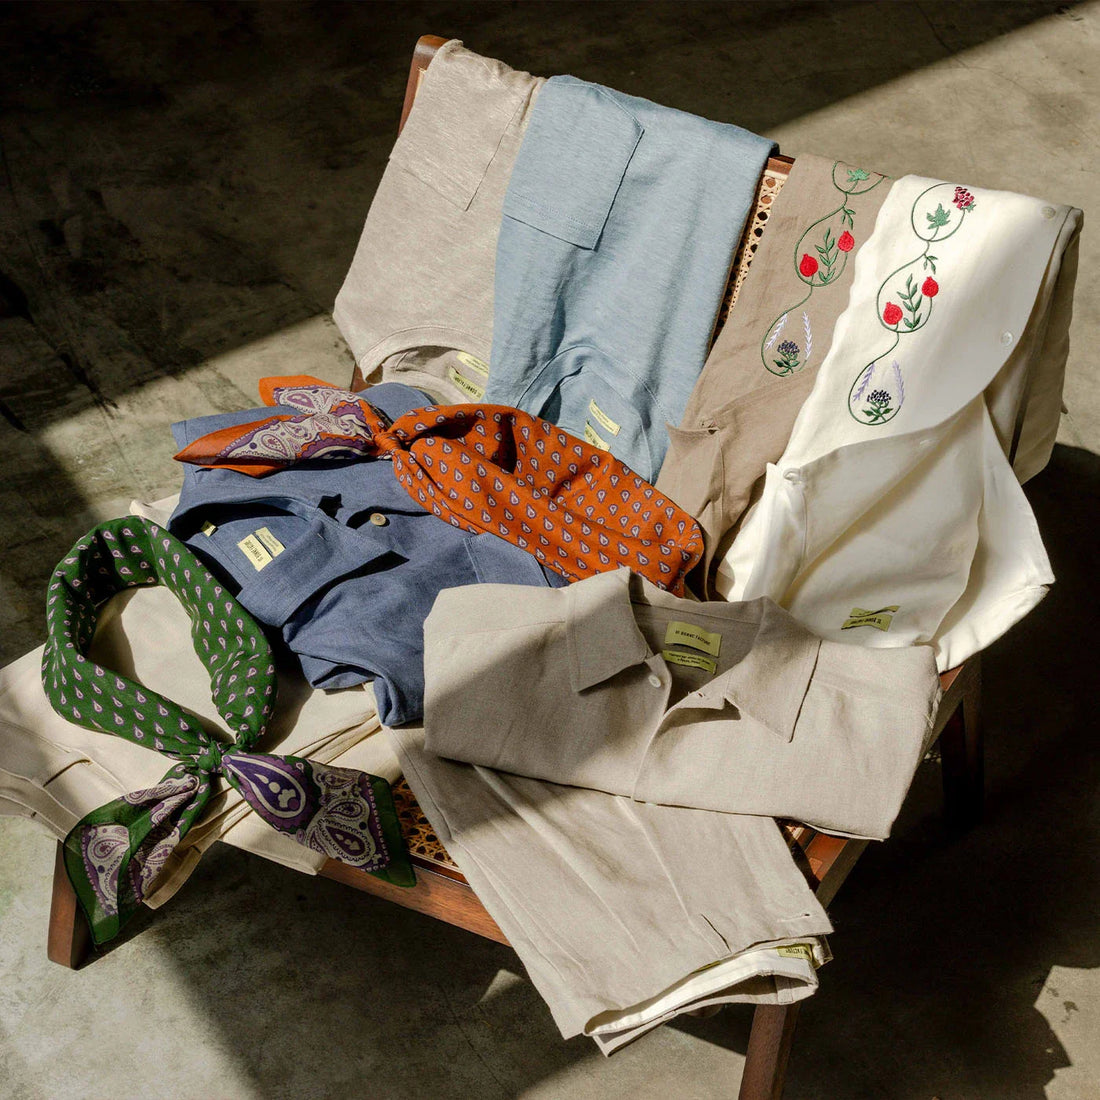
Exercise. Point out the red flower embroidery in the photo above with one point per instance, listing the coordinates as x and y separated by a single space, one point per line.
930 288
892 313
963 199
808 265
846 242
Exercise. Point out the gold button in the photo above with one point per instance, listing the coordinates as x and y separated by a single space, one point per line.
378 519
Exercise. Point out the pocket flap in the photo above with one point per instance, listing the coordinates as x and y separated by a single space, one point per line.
458 120
572 161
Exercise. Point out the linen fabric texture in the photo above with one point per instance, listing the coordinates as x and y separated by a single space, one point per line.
893 516
484 469
416 305
113 852
620 226
718 706
351 564
765 359
614 906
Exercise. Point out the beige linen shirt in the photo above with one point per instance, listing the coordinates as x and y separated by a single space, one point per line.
417 303
614 685
764 361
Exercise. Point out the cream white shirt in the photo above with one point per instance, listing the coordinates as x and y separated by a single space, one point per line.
894 516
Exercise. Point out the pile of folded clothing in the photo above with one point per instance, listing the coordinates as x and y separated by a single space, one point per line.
613 578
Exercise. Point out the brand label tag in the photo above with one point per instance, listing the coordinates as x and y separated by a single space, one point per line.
271 543
880 619
478 366
255 551
691 660
591 436
694 636
603 419
801 951
465 384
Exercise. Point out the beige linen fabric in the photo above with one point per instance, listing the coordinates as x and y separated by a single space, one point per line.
781 724
624 914
740 414
56 772
417 304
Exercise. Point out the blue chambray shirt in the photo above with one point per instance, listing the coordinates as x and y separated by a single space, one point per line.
620 225
338 558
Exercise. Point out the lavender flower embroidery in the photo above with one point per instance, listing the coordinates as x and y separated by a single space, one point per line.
788 353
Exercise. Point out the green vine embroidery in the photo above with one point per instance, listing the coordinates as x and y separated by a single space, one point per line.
877 393
820 257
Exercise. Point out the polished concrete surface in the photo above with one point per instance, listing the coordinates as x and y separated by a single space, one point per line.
181 189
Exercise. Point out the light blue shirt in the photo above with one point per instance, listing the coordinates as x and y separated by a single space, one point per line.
620 225
338 558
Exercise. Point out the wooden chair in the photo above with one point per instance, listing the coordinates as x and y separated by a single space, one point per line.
442 892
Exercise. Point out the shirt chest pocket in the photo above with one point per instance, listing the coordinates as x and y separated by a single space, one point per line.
572 162
453 133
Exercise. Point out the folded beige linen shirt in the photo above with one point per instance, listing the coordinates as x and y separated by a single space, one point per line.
614 685
55 772
625 913
417 303
765 359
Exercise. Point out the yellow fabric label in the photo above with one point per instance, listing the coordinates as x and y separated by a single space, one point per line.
208 528
880 619
464 384
473 362
801 951
691 660
255 551
271 543
596 440
604 420
694 636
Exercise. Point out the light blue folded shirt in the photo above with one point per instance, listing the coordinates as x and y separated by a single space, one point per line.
620 225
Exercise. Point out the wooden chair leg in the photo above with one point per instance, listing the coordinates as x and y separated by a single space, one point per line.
69 939
963 759
769 1049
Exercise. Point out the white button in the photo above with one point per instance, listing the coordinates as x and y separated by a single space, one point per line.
1049 211
655 680
1006 338
924 444
378 519
793 476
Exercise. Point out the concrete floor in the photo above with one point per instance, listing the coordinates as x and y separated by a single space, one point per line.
181 189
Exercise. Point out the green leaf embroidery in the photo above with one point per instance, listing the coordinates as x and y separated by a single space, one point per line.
857 174
939 219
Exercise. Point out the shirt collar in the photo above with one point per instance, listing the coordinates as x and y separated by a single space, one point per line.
769 683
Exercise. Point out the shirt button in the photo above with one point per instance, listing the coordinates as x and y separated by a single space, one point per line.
655 681
378 519
1049 211
1006 338
793 476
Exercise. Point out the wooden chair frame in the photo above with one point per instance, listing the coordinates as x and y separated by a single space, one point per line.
442 892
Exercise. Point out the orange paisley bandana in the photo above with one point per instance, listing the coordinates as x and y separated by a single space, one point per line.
483 468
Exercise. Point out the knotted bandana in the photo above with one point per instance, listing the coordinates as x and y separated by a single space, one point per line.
483 468
114 854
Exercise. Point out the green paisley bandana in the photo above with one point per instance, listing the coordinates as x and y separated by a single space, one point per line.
113 855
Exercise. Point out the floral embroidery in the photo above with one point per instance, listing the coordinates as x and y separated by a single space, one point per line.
878 391
820 257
